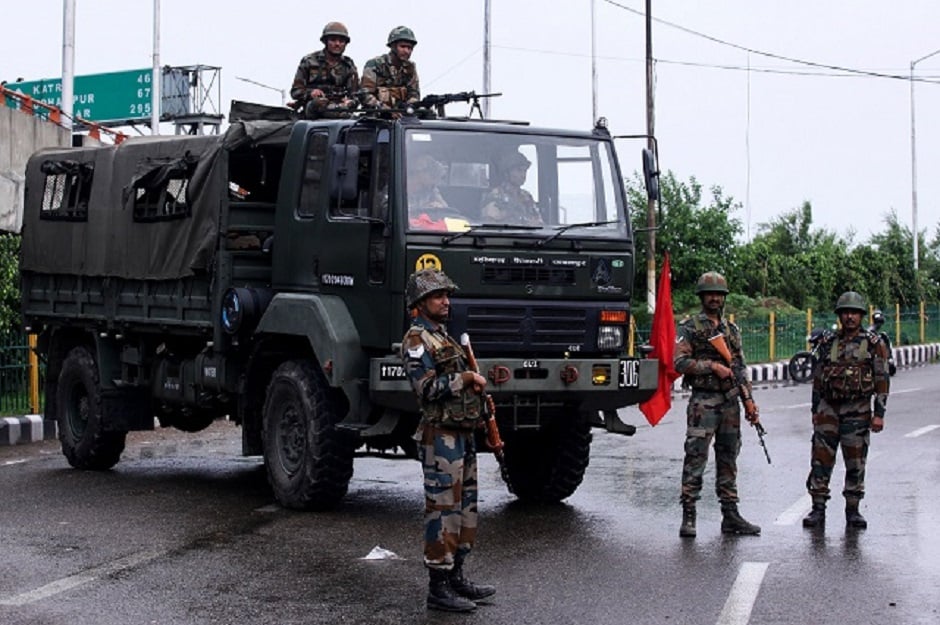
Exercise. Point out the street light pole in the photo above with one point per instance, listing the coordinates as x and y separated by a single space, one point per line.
914 162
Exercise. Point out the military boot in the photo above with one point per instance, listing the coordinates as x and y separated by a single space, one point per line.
817 516
441 596
464 587
854 518
733 523
687 529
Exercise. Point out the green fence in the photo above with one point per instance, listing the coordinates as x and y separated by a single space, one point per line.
14 376
780 336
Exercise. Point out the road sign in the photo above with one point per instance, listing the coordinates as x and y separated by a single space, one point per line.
113 97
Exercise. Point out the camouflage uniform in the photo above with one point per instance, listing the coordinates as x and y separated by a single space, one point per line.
338 82
386 81
508 203
447 449
713 410
843 417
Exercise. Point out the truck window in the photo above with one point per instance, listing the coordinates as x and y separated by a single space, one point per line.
313 173
160 193
66 190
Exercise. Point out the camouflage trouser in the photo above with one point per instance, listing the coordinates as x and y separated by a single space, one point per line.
711 415
449 461
848 425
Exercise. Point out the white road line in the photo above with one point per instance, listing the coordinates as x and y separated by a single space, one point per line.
7 463
73 581
795 512
921 431
271 507
737 610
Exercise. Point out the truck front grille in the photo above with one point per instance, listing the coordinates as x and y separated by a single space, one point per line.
528 329
495 274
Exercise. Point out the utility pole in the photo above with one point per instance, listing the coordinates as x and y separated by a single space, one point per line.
914 164
67 106
650 203
486 58
157 77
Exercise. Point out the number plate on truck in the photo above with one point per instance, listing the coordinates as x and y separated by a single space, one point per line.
629 373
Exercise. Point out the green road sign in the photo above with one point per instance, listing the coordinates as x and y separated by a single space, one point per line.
111 97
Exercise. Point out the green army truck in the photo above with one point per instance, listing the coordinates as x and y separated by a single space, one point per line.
260 276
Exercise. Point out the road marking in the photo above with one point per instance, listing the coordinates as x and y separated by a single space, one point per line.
271 507
795 512
921 431
74 581
737 610
7 463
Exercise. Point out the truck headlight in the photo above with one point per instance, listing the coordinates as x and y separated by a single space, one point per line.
609 338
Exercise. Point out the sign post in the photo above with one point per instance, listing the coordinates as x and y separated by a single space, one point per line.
113 98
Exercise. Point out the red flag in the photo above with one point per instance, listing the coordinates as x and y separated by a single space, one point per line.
663 341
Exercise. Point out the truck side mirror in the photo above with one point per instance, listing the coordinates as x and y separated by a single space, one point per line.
344 172
650 174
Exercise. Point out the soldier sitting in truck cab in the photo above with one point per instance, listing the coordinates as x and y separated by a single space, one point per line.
427 208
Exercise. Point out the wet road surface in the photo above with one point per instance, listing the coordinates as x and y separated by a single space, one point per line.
185 531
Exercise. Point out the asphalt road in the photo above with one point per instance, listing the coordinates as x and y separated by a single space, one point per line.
184 531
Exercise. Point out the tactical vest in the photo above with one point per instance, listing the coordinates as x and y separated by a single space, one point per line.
465 409
703 349
849 378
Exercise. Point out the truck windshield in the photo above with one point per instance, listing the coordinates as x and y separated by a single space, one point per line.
457 179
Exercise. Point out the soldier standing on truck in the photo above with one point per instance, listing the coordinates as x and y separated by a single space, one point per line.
391 80
713 410
451 402
327 78
850 369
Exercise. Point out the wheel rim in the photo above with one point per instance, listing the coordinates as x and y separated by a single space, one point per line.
77 411
291 439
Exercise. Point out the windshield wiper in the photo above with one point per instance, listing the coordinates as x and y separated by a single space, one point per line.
477 228
563 229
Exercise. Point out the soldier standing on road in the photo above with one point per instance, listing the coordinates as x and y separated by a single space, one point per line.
713 410
849 369
390 80
327 78
451 403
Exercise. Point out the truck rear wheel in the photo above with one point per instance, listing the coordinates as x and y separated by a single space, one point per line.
85 443
309 461
548 465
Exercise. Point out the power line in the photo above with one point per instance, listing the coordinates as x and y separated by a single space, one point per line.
779 57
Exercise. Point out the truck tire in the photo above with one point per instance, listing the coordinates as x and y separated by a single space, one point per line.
548 465
85 443
309 461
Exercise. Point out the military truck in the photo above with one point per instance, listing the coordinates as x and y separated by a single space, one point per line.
259 276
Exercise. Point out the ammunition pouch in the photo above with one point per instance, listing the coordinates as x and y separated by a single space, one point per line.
711 383
847 381
466 409
392 96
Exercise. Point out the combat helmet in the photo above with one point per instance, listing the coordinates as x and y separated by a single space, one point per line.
424 282
851 300
878 318
711 282
335 29
511 160
402 33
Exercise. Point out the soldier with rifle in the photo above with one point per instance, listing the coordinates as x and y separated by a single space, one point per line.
450 396
390 81
713 411
326 80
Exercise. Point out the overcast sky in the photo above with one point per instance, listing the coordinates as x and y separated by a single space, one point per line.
772 137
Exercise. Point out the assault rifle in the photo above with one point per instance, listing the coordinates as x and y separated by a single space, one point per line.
719 343
493 440
437 102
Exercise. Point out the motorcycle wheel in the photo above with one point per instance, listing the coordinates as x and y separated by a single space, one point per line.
800 367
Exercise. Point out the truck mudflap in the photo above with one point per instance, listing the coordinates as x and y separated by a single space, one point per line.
593 383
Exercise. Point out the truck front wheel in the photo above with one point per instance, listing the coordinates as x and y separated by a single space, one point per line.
85 443
548 465
308 460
